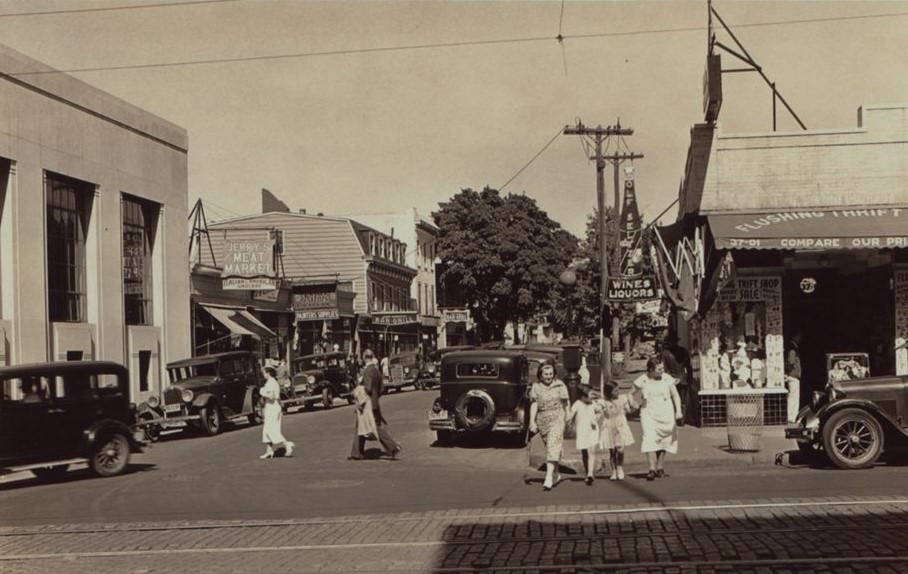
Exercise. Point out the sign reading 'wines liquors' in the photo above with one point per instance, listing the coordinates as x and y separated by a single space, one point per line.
632 288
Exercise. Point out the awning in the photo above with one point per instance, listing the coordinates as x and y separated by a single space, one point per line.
869 228
239 321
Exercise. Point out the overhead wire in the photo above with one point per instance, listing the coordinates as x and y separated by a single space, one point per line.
437 45
539 153
115 8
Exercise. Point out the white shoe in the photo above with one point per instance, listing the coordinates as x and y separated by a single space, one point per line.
620 474
614 475
268 454
288 449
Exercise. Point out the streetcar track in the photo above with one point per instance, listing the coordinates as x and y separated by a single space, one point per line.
481 517
484 542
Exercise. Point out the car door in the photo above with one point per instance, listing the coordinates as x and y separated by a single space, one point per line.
24 426
75 406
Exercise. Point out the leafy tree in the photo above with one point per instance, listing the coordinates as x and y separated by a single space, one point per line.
505 253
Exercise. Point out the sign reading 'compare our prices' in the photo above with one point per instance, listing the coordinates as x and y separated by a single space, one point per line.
631 289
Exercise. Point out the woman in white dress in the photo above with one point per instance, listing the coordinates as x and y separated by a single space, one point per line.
660 412
271 429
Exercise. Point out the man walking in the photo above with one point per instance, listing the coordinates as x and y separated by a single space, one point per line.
372 381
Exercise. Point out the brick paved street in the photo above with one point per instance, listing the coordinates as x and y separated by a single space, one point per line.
826 535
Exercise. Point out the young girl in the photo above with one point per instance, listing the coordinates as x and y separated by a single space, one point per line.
616 433
585 415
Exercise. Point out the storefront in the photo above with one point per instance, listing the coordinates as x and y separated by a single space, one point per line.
394 332
324 317
457 327
818 282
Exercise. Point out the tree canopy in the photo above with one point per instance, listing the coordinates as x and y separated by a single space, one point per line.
505 254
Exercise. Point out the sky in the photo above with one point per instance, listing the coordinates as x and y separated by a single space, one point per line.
351 107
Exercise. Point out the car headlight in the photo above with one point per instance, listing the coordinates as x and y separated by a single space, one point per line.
816 398
406 370
310 379
187 396
431 368
153 402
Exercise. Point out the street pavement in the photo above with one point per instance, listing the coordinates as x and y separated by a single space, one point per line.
210 505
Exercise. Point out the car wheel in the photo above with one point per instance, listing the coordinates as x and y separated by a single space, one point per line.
475 411
152 433
327 398
110 455
210 419
445 437
50 473
852 438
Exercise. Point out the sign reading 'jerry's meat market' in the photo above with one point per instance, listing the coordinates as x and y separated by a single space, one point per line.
872 228
249 265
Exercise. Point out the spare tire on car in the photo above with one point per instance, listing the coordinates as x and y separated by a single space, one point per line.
475 411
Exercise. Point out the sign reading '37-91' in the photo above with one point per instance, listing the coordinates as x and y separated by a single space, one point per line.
632 289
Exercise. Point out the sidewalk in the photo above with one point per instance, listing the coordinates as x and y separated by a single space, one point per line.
696 446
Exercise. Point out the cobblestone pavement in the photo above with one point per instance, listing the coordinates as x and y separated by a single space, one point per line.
826 535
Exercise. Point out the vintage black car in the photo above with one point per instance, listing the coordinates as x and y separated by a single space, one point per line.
405 369
204 391
853 421
53 415
482 391
430 375
318 378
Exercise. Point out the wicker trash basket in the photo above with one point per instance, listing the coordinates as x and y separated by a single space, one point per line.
745 421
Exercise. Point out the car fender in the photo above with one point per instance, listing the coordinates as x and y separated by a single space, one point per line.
203 399
869 406
145 409
251 398
96 431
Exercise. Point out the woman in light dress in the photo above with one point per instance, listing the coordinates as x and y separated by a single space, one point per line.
660 412
548 413
272 413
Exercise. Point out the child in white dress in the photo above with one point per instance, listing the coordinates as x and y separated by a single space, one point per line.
616 433
585 415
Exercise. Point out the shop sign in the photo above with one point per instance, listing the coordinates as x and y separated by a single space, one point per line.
394 319
249 264
249 283
429 321
318 315
636 289
455 315
309 300
750 289
269 295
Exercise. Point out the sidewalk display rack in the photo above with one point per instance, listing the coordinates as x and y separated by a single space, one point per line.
714 405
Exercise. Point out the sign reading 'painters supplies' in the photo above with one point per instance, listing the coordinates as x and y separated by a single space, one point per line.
249 264
871 228
632 289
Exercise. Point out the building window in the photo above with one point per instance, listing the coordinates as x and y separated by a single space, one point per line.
431 289
139 223
68 213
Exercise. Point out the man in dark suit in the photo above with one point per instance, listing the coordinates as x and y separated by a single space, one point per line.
372 381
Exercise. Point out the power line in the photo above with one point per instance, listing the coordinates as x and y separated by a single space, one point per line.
539 153
115 8
462 44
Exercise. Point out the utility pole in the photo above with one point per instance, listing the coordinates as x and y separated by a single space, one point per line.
598 135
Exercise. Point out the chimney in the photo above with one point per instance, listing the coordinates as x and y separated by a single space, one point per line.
270 203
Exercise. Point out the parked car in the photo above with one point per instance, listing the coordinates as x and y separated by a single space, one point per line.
204 391
319 378
431 371
405 369
854 421
53 415
482 391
